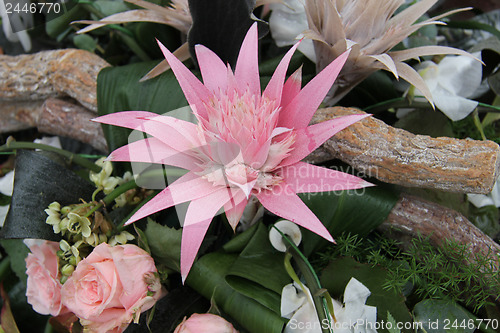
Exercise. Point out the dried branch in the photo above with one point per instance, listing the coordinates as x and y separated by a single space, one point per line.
38 76
413 216
396 156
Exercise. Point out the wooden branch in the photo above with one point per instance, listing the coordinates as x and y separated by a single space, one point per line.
413 216
38 76
63 118
396 156
53 116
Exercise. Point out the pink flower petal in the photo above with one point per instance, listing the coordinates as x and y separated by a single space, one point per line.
213 70
309 138
234 208
172 131
283 202
291 88
196 93
188 187
198 217
298 113
247 65
274 88
152 150
305 178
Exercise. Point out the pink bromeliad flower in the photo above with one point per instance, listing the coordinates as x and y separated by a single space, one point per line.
246 143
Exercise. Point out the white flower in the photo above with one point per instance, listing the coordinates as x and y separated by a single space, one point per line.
299 308
452 82
287 22
481 200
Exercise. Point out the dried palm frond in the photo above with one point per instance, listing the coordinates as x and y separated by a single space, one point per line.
371 29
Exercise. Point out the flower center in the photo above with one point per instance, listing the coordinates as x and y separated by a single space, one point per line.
243 144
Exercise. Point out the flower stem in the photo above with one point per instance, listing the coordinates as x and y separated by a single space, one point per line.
108 199
74 158
312 281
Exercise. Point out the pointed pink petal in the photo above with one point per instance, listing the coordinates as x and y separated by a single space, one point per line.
196 93
186 188
152 150
292 87
183 135
198 217
174 132
298 113
247 65
274 88
309 138
213 70
234 208
284 202
305 178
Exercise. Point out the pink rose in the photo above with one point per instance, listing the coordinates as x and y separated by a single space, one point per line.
111 287
206 323
43 289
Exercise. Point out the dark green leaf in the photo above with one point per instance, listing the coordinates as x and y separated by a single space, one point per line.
85 42
259 271
443 316
39 181
426 122
58 24
165 244
119 89
17 253
208 278
355 212
4 200
338 273
220 25
238 243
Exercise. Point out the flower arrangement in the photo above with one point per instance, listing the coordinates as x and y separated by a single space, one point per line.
217 191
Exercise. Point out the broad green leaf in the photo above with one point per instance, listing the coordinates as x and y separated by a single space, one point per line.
426 122
17 253
338 273
119 89
355 212
107 7
165 244
85 42
207 276
439 316
259 271
58 23
38 182
238 243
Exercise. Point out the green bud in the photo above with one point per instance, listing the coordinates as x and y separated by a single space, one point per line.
67 269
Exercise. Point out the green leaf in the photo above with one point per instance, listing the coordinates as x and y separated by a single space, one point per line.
85 42
207 277
338 273
39 181
259 271
485 218
17 252
443 316
4 200
165 244
119 89
58 23
426 122
392 328
355 212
